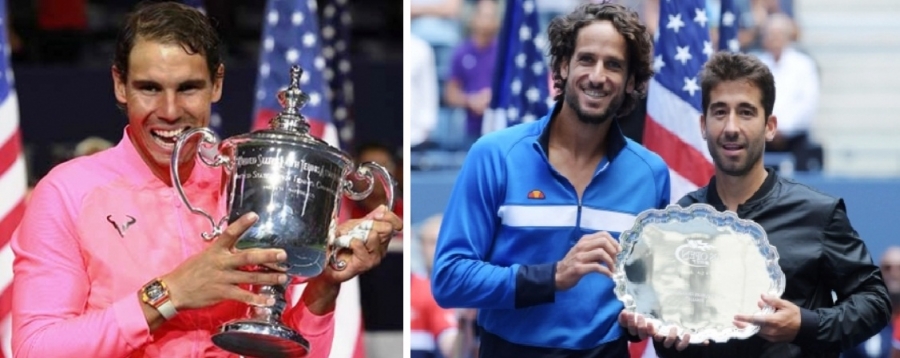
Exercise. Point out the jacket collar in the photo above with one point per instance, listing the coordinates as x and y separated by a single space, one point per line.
764 190
615 139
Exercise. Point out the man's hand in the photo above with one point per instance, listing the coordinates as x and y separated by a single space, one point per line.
214 274
480 101
781 326
638 326
673 339
589 254
322 290
364 253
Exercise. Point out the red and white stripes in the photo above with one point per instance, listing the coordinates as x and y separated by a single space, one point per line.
672 130
13 186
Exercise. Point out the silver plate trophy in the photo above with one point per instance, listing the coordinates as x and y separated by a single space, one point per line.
694 268
294 182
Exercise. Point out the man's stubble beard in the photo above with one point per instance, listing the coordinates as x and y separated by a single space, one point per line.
571 99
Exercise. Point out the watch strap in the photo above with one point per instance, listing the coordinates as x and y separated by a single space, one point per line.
167 309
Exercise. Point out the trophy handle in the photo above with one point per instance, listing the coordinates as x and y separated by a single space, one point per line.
209 155
364 172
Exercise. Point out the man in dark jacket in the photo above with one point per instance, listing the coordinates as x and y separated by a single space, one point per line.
820 252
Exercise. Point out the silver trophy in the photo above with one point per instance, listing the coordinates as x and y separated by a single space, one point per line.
694 268
294 182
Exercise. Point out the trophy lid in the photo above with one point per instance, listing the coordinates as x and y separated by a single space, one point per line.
290 126
292 100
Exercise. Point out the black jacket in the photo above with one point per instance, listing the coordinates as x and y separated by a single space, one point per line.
820 252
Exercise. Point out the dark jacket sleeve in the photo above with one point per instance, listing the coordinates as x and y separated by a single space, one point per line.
863 306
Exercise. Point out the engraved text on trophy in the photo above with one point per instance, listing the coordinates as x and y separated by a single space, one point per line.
295 195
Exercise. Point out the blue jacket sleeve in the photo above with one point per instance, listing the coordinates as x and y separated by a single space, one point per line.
462 277
663 186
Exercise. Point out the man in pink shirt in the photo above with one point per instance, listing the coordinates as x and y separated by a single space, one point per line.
110 263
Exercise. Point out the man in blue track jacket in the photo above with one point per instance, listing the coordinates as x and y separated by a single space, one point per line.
529 234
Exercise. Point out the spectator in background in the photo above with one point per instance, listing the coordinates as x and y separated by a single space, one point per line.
895 351
880 345
747 29
467 338
423 93
432 328
890 269
16 45
760 11
87 146
91 145
796 82
383 156
436 22
468 85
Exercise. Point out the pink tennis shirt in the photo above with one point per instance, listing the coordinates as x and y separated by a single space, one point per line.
96 230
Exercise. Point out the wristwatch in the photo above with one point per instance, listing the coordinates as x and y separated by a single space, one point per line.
156 294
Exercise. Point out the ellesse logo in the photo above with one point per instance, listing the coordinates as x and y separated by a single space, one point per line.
536 194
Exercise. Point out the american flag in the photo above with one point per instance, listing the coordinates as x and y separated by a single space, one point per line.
335 48
672 129
729 23
13 183
520 90
291 36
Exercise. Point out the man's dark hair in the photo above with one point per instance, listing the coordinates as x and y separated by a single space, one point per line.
563 33
171 23
727 66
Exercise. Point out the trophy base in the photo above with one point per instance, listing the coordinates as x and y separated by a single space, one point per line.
260 339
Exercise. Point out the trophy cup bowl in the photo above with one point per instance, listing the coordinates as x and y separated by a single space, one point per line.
294 183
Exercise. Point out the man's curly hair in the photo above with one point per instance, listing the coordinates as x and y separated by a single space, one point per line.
563 33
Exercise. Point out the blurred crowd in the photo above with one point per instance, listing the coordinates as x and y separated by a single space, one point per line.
453 50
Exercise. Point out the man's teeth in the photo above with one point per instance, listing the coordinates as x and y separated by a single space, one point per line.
164 142
168 134
592 93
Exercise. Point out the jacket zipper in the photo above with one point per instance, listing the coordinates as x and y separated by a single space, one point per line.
578 198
